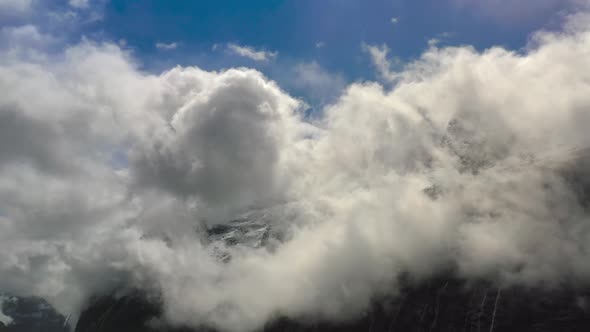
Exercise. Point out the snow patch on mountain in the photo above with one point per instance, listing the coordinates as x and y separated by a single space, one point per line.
4 319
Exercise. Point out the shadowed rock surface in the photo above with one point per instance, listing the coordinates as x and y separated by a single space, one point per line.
441 305
31 314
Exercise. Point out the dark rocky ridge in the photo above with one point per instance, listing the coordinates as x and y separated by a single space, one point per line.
440 305
31 314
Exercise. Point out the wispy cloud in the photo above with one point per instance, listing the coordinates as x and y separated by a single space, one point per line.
514 10
79 3
394 20
320 85
167 46
251 53
439 38
379 57
14 7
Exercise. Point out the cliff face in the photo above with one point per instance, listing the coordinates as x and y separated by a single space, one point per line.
440 305
30 314
129 313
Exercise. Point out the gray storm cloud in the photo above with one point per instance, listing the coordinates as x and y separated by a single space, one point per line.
105 172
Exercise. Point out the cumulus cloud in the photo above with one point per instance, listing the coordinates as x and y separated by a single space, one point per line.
225 144
108 172
24 38
251 53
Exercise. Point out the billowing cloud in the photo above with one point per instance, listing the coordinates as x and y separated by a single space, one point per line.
251 53
224 143
108 173
24 39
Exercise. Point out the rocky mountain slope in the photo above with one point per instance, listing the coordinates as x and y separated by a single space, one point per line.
29 314
440 305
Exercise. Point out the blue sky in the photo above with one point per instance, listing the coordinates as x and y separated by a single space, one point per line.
293 28
324 37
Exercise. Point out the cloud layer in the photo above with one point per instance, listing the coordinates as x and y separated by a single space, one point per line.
106 172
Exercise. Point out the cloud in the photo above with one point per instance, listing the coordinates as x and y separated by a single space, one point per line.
225 144
25 41
15 7
318 84
382 64
4 319
25 36
109 173
79 3
394 20
251 53
169 46
320 44
515 11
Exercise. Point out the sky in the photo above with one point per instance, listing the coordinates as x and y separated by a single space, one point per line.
382 140
327 36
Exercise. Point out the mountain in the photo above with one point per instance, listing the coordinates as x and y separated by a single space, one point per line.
445 303
29 314
441 305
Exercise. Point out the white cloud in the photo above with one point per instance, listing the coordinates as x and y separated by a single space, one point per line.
347 190
25 36
320 44
382 64
15 7
236 119
317 83
4 319
79 3
251 53
25 41
515 11
394 20
165 46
